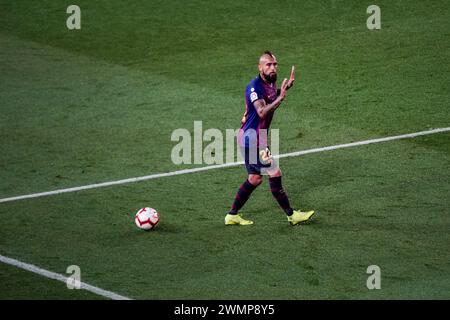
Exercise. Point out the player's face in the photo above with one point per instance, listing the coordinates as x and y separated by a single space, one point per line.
268 68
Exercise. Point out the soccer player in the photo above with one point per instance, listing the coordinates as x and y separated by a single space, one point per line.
262 99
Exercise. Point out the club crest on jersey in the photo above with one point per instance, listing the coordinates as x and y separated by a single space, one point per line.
253 96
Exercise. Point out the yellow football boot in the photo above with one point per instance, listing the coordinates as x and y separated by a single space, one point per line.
236 219
299 217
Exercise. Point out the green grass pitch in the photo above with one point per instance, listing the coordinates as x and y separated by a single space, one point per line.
99 104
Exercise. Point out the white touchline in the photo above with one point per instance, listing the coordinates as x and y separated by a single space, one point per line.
60 277
219 166
361 143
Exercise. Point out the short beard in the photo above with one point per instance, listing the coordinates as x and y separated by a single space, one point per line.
270 78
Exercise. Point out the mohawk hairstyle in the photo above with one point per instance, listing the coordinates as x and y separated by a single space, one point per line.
268 53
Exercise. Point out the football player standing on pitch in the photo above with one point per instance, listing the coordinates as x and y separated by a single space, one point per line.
262 99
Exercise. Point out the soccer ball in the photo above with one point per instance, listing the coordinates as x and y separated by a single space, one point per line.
146 218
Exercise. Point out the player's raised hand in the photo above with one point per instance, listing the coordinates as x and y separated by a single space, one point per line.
283 89
291 79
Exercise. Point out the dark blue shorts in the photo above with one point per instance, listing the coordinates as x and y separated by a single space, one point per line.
253 161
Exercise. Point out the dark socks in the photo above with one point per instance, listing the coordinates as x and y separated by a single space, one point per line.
280 195
242 196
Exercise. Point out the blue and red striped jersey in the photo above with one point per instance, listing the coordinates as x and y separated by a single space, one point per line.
251 122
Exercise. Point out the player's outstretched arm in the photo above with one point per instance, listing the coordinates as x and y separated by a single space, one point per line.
263 109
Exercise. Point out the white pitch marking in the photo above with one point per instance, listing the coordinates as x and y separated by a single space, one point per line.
219 166
60 277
